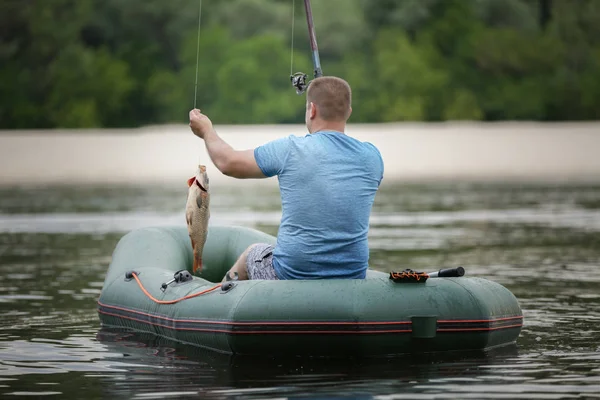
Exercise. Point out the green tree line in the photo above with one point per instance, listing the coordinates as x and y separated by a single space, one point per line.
112 63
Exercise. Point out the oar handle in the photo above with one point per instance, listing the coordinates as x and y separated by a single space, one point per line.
448 273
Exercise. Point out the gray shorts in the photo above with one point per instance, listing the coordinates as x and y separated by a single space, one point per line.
260 262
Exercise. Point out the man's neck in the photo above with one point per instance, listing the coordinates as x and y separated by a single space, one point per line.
337 126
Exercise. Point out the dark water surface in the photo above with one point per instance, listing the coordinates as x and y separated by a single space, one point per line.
540 241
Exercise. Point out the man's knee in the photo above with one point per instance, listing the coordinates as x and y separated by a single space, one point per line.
249 248
244 256
239 270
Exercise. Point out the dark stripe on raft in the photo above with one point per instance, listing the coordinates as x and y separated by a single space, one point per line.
256 327
220 322
301 327
479 325
229 331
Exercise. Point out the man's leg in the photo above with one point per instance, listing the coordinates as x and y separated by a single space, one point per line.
239 271
256 262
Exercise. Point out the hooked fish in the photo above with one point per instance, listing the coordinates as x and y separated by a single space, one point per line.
197 214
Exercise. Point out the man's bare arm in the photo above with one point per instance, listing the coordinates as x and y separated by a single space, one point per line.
235 163
238 164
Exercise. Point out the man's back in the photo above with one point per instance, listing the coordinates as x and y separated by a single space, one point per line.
328 182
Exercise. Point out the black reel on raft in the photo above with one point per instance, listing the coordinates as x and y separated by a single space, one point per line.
299 82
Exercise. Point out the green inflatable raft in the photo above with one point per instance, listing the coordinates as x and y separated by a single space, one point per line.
364 317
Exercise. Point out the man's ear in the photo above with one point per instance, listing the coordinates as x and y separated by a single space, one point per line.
313 110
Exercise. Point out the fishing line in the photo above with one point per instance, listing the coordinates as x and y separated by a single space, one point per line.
292 47
197 64
198 51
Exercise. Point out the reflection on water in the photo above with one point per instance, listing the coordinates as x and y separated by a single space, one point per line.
542 242
252 375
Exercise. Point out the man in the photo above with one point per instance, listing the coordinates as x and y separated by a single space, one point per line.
327 181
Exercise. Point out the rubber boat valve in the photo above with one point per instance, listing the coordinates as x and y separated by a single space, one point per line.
180 276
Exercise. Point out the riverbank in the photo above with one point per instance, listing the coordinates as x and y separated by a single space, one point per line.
532 152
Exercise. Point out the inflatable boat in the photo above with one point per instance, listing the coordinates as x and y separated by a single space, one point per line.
149 288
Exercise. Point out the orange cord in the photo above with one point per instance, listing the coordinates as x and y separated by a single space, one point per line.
189 296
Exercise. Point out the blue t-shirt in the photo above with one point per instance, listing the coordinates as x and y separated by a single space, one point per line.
328 182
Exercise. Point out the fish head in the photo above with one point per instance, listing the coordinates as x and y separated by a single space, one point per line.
201 179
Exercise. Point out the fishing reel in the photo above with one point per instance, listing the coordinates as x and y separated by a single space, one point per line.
299 82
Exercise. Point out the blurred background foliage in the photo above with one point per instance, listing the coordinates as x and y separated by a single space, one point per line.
111 63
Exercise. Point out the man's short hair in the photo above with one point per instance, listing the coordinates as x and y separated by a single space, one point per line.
332 96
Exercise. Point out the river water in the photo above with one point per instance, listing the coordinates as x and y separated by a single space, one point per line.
542 241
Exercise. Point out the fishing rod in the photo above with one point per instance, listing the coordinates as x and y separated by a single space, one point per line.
299 78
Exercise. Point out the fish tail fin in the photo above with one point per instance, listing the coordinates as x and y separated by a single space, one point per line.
197 263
